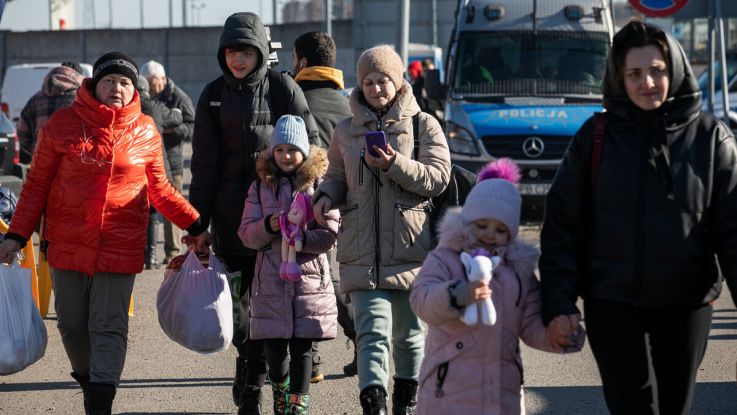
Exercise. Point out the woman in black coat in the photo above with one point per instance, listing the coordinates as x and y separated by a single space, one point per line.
638 234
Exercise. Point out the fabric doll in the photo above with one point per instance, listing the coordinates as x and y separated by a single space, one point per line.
479 266
292 223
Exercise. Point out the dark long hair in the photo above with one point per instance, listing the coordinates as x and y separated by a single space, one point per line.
634 34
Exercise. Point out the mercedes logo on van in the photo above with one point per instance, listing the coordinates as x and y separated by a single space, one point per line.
533 147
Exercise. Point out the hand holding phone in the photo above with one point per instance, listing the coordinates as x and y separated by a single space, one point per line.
375 138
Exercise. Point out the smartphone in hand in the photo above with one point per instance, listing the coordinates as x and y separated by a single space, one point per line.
375 138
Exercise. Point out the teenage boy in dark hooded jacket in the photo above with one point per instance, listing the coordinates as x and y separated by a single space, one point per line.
643 240
233 122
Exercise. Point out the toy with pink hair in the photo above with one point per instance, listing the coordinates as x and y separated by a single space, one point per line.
292 224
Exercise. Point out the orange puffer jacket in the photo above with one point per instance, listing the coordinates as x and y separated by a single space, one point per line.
93 172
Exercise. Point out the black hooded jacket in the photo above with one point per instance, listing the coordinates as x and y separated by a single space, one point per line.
663 212
224 150
173 97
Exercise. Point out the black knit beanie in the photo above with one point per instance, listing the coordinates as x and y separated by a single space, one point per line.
117 63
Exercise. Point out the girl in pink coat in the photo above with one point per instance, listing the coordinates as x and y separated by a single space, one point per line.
289 313
477 369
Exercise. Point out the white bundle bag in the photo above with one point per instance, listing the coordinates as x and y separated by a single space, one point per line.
22 331
195 307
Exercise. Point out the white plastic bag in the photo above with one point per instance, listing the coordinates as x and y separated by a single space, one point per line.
195 307
22 330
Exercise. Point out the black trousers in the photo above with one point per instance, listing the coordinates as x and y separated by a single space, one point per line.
647 357
299 367
252 350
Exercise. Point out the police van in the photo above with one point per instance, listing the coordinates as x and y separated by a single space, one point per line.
521 77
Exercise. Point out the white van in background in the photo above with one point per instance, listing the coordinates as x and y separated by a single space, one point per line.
22 81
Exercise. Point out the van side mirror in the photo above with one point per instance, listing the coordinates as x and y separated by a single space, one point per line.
434 86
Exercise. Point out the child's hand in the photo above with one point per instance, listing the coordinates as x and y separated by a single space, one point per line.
559 333
274 223
478 290
566 333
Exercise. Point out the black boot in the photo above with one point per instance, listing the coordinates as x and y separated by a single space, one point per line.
250 402
150 258
100 398
239 382
404 397
84 382
351 369
373 400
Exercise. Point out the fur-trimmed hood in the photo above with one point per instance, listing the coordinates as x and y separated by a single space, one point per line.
311 170
454 236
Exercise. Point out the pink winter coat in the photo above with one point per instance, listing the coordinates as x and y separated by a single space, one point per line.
476 369
282 309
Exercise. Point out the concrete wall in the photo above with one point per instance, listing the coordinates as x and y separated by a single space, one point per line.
189 54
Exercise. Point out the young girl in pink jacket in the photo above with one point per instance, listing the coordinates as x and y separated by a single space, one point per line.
477 369
292 298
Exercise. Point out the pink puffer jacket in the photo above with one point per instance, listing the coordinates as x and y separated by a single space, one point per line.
282 309
476 369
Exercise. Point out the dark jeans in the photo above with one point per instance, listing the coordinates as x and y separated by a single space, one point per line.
299 367
648 358
252 350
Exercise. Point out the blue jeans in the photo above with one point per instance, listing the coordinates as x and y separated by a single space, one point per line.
382 316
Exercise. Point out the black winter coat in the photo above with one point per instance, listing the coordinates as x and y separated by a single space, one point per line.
327 105
173 97
664 209
224 150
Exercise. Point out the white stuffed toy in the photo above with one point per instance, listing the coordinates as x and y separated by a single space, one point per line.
479 267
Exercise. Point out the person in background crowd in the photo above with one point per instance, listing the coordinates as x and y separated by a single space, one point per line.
57 91
97 165
313 66
415 71
234 119
642 234
485 360
385 226
163 89
164 117
289 316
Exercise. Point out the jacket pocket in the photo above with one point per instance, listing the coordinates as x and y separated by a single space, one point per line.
444 369
348 234
411 232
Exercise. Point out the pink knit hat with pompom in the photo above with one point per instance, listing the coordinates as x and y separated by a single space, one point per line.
495 196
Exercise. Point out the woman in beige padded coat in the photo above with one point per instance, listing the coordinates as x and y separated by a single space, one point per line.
385 231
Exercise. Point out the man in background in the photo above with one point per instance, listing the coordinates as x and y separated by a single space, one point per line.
313 66
58 90
163 89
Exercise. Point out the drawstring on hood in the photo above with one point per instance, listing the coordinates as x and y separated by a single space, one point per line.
681 107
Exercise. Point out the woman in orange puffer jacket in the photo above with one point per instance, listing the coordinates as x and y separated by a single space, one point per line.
97 164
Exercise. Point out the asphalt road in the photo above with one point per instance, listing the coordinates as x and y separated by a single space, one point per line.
161 377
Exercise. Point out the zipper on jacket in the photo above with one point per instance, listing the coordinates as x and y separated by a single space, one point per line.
442 373
322 273
402 208
519 366
639 229
360 170
377 229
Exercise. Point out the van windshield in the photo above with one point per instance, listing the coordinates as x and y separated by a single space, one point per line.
522 63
